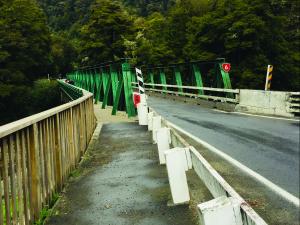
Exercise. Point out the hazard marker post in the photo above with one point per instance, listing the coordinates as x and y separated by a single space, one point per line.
269 78
142 108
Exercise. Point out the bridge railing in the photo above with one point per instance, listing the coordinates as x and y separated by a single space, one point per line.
294 103
110 82
215 94
38 153
70 91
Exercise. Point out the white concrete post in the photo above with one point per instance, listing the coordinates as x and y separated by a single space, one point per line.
143 98
156 125
189 164
150 121
142 110
177 177
219 211
163 143
185 157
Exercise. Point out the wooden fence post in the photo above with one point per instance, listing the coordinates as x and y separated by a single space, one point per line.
35 172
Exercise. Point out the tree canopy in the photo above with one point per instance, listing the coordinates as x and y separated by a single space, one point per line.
38 37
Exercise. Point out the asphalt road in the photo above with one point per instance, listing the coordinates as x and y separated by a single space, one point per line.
268 146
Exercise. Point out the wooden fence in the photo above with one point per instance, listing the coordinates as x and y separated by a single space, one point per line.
38 153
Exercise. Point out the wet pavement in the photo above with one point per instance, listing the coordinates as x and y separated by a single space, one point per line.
121 182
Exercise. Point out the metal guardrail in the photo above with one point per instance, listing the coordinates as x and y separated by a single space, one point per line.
294 102
231 95
38 153
71 91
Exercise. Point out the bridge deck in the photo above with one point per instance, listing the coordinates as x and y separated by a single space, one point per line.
120 182
215 127
268 146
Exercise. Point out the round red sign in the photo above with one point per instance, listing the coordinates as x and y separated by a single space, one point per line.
226 67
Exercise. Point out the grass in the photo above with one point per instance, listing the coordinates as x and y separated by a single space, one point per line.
46 211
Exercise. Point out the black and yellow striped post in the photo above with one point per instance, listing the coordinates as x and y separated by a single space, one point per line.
269 77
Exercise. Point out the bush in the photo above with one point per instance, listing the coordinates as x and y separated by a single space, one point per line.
28 100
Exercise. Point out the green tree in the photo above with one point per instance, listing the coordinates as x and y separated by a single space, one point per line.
147 7
63 54
24 55
152 41
102 38
250 35
24 42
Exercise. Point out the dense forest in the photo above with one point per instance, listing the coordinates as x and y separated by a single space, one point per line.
40 37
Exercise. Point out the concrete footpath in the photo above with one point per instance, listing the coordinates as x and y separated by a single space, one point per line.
120 182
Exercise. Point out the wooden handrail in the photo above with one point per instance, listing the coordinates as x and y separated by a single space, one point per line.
38 153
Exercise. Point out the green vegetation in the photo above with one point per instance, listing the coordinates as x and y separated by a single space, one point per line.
25 56
38 37
47 210
249 34
25 100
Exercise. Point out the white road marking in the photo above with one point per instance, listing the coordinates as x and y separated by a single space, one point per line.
221 111
269 117
283 193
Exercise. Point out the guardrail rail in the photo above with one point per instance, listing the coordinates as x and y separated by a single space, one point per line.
294 103
217 94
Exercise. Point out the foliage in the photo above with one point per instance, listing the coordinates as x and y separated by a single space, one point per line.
27 100
153 46
102 38
63 54
24 42
147 7
250 35
58 35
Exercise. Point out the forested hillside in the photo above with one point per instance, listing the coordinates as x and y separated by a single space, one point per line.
38 37
248 33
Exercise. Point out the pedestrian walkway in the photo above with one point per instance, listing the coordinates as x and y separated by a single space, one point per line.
120 182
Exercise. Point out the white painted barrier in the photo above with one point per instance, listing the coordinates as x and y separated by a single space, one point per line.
150 121
218 187
219 211
142 110
163 143
211 178
156 125
177 177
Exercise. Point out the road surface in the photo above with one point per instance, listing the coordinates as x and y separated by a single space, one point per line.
268 146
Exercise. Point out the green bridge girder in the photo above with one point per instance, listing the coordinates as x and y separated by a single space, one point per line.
111 83
179 74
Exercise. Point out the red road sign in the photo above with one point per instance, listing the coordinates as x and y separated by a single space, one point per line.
226 67
136 99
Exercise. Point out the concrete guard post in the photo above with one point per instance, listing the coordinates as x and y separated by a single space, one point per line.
177 177
220 211
156 125
142 110
163 143
185 155
150 121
